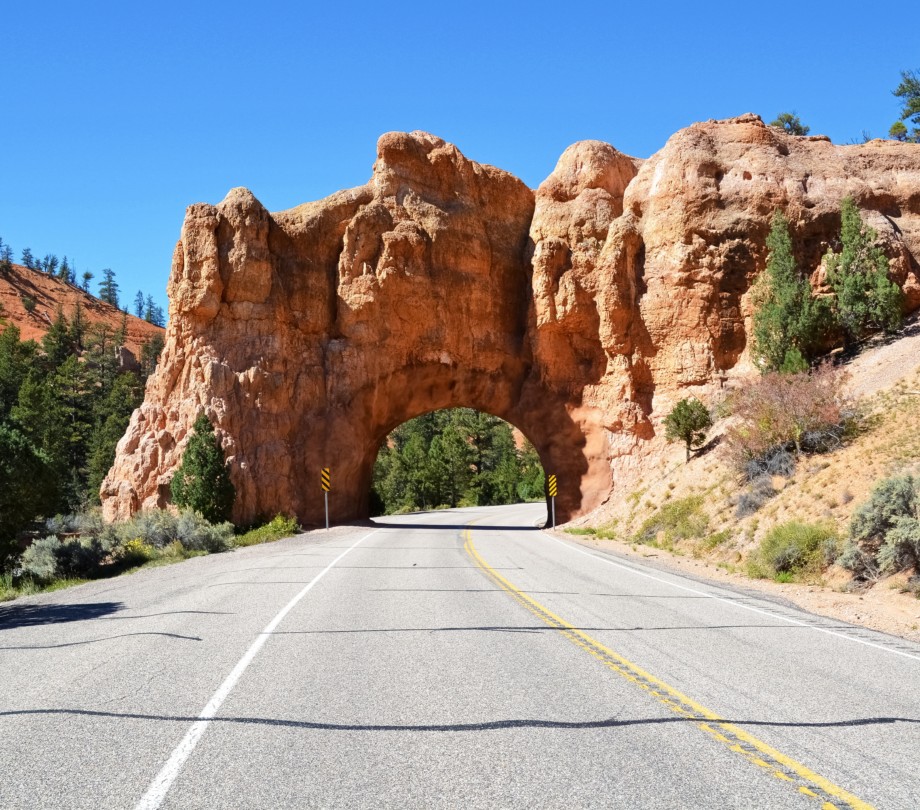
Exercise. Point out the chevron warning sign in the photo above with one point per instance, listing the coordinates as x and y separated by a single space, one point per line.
552 486
325 479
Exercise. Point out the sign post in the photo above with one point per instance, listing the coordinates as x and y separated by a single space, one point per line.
552 496
325 480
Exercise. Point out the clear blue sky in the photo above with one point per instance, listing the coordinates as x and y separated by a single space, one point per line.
119 115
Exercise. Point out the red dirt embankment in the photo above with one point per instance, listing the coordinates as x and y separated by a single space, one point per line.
48 293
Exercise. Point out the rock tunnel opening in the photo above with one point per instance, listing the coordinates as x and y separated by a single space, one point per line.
454 457
567 441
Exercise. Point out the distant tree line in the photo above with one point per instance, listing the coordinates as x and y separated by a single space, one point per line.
458 457
66 270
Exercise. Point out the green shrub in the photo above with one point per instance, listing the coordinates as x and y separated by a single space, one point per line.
884 531
582 530
39 561
715 540
688 422
159 528
135 552
793 550
683 519
79 558
901 548
278 527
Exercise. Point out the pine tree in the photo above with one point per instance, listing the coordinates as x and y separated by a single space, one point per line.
866 298
909 93
77 327
26 488
139 304
789 323
27 259
790 124
111 415
202 481
57 342
108 288
87 277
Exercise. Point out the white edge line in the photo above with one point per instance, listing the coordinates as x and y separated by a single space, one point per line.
160 786
736 604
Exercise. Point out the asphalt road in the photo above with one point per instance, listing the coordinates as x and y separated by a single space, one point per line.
454 659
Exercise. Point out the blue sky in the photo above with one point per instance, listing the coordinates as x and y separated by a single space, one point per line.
119 115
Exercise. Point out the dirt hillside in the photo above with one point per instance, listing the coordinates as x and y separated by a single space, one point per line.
21 284
713 537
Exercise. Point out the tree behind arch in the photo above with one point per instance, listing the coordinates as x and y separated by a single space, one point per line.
202 481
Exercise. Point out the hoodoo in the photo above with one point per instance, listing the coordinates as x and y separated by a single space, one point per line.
579 313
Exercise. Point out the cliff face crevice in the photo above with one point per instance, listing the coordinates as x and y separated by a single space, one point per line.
579 312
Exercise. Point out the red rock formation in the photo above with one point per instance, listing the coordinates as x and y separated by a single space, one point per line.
578 313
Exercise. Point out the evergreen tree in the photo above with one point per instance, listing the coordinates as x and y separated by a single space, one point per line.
866 298
153 313
49 264
27 259
6 258
139 304
790 123
26 488
150 354
789 323
77 330
909 93
108 287
64 270
202 481
57 342
87 277
111 421
688 422
16 358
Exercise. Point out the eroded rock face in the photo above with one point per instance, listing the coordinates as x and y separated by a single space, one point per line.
579 312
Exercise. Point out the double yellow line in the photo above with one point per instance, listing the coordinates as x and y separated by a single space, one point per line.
734 738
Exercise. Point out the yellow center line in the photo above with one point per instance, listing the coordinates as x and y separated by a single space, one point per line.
734 738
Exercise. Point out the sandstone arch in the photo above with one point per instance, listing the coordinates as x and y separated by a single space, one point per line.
579 312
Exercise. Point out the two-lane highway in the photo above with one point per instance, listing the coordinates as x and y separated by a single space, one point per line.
448 659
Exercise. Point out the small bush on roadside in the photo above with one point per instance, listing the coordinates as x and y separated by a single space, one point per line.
759 492
79 558
792 551
50 558
683 519
39 561
159 528
582 530
884 531
804 412
777 461
135 552
278 527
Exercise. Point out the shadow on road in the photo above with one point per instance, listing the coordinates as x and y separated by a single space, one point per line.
495 725
30 615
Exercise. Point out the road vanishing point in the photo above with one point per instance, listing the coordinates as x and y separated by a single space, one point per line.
450 659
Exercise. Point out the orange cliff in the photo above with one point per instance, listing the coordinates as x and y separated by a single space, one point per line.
579 312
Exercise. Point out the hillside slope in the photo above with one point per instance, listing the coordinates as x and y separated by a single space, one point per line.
48 293
884 379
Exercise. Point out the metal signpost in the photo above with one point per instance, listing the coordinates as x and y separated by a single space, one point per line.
325 479
551 485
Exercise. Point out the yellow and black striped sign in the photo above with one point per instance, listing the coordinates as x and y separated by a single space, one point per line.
325 479
552 486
